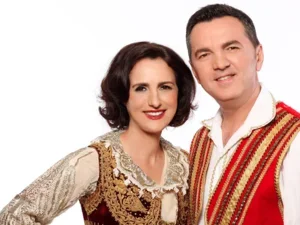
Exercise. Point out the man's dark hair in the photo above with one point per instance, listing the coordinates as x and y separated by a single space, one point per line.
210 12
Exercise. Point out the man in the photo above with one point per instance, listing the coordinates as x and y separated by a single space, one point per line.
245 161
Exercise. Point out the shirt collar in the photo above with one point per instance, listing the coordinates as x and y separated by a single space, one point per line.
262 112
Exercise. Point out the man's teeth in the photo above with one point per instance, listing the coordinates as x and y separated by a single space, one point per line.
154 113
225 78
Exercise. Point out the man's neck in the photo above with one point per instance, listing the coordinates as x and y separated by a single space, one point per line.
234 115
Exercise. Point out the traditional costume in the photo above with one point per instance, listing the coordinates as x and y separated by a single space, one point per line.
251 179
110 187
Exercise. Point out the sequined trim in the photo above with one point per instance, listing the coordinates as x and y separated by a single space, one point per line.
229 206
219 209
231 175
200 155
259 160
124 202
289 139
176 174
245 171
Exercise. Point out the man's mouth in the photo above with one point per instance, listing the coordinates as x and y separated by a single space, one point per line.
225 78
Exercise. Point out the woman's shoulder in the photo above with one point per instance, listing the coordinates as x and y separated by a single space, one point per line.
178 167
186 153
167 145
104 141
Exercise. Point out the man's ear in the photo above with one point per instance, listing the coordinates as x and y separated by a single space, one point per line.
259 57
194 72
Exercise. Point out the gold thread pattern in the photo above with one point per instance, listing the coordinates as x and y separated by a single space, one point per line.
200 155
248 171
245 173
125 201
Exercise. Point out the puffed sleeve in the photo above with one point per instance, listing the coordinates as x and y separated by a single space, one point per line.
290 184
56 190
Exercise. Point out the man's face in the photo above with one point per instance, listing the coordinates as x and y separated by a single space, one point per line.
224 60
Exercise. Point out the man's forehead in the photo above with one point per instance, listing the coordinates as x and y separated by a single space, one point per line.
217 31
226 23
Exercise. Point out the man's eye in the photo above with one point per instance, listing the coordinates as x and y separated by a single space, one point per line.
203 55
232 48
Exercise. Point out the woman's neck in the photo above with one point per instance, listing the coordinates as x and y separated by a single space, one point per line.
140 145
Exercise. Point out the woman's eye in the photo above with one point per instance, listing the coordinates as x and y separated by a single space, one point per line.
166 87
140 88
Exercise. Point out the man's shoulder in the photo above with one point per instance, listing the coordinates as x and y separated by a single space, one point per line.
202 129
201 133
288 109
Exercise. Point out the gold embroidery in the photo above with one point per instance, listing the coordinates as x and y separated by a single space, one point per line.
258 171
183 206
231 173
176 174
91 202
257 185
211 192
196 162
201 149
249 170
295 129
199 190
86 222
289 136
125 201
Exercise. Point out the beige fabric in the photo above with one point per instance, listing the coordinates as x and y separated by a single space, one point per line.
169 207
55 191
176 174
76 175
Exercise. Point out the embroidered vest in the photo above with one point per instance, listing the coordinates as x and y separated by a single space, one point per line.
115 203
248 189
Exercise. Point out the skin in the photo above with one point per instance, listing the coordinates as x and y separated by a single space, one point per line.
153 88
226 63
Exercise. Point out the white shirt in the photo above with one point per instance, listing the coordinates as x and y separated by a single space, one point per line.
261 114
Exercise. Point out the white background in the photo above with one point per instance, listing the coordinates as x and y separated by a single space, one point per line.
53 55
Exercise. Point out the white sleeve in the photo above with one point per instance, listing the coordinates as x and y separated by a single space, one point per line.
290 184
55 191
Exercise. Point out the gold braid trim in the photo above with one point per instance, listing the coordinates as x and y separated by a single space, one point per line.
291 136
91 202
228 178
125 202
200 155
231 207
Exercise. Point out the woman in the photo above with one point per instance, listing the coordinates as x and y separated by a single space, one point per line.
130 175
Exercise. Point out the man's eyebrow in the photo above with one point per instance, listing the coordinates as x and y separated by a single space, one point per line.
228 43
200 50
224 45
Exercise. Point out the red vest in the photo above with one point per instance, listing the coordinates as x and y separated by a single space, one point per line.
248 190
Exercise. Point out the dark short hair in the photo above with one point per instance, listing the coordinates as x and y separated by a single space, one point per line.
115 85
210 12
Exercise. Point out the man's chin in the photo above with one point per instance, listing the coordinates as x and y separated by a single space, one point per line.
223 99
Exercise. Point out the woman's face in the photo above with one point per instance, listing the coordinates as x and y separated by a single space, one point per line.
153 95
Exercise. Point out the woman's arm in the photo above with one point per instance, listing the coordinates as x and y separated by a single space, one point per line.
55 191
